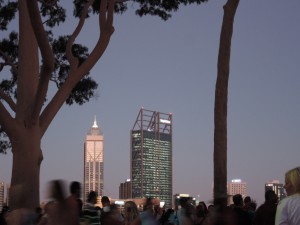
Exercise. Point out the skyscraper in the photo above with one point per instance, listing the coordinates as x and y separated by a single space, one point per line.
93 161
277 187
236 186
125 189
151 156
2 186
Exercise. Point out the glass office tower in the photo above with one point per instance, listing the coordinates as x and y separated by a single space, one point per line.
93 162
151 156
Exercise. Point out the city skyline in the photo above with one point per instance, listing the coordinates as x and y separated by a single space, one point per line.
171 67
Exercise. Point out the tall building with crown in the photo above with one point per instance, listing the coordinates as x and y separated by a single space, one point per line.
93 162
151 156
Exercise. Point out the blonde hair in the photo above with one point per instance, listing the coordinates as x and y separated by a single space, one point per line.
293 176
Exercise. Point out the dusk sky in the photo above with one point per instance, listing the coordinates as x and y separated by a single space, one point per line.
172 67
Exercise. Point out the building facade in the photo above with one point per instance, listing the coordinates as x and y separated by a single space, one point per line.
236 186
125 190
2 188
151 156
93 162
277 187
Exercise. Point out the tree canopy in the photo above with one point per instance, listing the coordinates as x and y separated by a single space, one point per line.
53 15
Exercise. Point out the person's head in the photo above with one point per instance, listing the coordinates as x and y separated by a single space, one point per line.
57 190
292 181
201 209
131 208
75 189
270 196
183 201
237 200
105 201
247 200
92 197
149 205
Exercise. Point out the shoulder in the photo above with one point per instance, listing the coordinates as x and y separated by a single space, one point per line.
290 200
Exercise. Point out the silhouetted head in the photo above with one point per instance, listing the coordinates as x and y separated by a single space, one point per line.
57 190
183 201
237 200
270 196
75 188
105 201
247 200
92 197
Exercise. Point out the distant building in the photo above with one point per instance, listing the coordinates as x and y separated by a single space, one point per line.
277 187
125 190
151 156
93 162
234 187
190 199
2 187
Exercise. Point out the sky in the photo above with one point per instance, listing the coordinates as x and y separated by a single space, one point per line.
171 67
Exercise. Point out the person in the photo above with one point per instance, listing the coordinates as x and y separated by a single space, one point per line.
186 214
113 217
90 213
131 212
288 209
56 211
249 207
147 217
201 212
243 217
165 219
73 202
105 210
5 210
265 214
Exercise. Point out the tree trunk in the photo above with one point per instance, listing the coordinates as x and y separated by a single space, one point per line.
27 156
25 137
220 111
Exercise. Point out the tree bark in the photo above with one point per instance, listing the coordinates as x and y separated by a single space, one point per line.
27 128
221 100
27 157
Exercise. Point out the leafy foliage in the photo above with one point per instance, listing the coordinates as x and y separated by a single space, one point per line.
53 15
4 142
7 13
162 8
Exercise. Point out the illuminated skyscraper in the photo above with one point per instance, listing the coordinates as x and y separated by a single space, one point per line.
93 161
236 186
277 187
151 156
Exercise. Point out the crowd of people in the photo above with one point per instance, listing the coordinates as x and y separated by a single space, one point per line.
62 210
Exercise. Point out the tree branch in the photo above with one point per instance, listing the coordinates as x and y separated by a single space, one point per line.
47 57
106 30
8 100
73 60
6 121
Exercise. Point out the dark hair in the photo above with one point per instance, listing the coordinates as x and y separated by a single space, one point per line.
247 199
105 199
237 199
74 187
269 195
57 190
92 195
